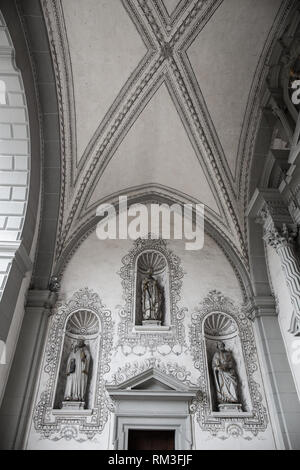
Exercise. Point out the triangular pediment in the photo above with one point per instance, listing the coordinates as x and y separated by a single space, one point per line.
151 380
152 384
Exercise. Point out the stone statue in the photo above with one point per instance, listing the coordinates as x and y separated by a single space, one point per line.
225 376
151 299
77 373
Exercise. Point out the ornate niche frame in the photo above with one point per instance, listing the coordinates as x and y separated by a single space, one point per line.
80 424
139 342
254 420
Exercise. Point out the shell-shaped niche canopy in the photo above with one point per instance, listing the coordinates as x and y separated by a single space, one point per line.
151 260
83 323
219 324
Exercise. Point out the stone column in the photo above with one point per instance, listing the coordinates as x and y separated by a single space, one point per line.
268 208
281 233
19 394
282 237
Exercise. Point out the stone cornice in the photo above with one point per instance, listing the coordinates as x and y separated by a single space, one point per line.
260 306
269 202
269 209
44 299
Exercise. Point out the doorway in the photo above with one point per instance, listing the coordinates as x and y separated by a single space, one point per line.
151 439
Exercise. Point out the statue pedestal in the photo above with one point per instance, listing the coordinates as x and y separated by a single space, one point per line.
151 323
230 408
73 405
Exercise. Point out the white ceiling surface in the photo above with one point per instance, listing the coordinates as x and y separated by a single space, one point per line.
171 5
156 150
105 48
224 57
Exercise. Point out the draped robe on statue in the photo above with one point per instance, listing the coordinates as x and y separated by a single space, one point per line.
151 299
225 376
77 373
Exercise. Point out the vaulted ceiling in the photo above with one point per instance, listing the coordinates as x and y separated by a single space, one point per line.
159 95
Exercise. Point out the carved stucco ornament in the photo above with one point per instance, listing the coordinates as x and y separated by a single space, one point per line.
172 369
254 420
134 342
283 238
50 423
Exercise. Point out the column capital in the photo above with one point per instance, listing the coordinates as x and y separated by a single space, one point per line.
281 237
270 209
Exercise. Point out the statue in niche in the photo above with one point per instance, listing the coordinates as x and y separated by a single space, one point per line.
77 373
226 380
152 297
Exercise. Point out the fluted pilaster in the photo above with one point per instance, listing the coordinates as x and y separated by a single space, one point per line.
282 237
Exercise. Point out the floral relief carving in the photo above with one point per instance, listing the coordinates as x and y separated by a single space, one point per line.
163 342
55 424
255 419
130 370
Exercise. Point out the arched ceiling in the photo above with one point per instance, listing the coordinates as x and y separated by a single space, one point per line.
159 94
224 57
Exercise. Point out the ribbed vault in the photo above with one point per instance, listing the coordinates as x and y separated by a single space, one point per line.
159 94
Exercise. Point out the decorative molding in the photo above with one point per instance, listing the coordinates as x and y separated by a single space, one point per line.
58 44
45 299
172 369
153 399
81 425
169 21
113 130
283 241
281 234
157 194
260 306
254 421
256 104
281 237
164 342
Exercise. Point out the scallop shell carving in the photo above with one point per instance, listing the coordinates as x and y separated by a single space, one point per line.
218 324
151 260
83 322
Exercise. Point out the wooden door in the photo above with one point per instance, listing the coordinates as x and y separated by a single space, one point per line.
151 440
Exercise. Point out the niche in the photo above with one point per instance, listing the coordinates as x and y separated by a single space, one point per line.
82 326
221 332
154 264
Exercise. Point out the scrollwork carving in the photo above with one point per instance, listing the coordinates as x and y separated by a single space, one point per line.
80 426
129 370
131 341
255 420
280 237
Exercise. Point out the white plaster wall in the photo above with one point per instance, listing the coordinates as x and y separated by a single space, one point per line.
96 265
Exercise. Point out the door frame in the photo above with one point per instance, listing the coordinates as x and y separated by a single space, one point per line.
180 424
166 406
